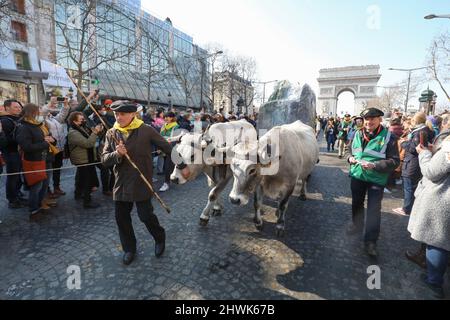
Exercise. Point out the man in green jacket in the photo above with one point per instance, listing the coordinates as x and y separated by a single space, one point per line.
374 155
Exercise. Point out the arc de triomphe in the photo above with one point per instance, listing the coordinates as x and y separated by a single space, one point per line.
362 81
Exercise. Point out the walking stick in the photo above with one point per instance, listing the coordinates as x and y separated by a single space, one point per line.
133 164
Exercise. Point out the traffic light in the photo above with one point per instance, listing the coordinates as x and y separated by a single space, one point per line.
95 82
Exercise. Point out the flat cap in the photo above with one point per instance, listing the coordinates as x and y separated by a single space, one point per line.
124 106
372 113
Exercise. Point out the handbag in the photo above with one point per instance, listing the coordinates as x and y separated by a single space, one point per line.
33 178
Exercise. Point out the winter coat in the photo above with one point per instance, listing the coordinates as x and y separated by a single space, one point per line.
129 186
31 141
411 168
57 125
3 140
82 144
430 217
9 125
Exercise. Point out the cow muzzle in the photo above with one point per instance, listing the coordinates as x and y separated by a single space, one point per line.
236 202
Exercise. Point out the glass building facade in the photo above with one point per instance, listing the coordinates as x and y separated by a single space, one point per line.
149 69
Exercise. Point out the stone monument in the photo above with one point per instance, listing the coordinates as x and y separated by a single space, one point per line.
287 104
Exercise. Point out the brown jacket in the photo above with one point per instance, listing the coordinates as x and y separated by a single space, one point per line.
129 186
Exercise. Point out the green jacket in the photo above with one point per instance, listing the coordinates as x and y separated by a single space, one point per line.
81 146
374 151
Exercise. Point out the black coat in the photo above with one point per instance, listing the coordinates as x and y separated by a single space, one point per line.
9 125
3 140
31 141
129 187
411 167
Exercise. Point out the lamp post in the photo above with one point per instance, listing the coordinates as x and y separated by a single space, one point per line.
170 101
28 79
410 71
434 16
264 89
70 93
240 103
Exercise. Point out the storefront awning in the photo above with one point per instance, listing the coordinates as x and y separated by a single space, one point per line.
34 77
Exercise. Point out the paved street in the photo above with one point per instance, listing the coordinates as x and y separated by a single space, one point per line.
229 259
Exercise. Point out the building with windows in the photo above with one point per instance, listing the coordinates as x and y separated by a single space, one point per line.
155 61
20 73
122 50
233 93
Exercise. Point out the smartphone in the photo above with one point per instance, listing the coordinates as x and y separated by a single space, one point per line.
61 99
423 137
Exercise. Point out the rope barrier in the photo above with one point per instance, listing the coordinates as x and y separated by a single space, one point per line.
50 170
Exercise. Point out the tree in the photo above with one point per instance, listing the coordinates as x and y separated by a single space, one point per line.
439 60
236 73
4 13
84 27
186 71
155 61
391 98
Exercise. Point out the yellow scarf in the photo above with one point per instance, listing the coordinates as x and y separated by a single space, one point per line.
168 126
52 149
135 124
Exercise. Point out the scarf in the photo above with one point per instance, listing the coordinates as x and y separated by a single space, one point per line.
168 127
135 124
52 149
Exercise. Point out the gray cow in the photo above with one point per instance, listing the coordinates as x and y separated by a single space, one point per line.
272 168
206 153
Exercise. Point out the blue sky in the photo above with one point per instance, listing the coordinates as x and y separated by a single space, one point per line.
293 39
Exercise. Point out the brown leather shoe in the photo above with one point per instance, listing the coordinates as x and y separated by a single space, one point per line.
59 192
52 195
50 203
418 258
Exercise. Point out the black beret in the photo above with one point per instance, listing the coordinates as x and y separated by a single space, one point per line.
372 113
124 106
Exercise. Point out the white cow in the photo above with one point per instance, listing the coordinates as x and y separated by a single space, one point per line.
283 156
206 153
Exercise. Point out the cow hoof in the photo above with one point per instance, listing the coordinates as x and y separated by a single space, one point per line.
204 222
259 226
280 233
217 213
303 197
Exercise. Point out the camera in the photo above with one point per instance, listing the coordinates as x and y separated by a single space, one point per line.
61 99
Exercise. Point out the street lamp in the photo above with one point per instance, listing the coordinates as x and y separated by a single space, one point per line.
410 71
240 103
70 93
170 101
28 79
264 89
434 16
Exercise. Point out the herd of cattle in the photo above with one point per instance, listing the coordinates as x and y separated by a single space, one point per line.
270 165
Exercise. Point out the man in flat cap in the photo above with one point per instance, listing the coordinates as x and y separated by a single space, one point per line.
135 139
374 156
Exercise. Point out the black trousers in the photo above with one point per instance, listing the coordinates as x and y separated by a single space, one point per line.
146 215
84 181
57 164
370 222
169 166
